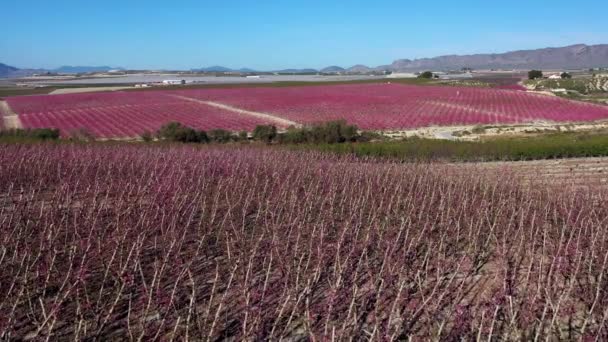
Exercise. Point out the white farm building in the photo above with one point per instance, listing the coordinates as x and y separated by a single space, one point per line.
174 82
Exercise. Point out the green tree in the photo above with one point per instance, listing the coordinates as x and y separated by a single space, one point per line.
565 75
426 74
534 74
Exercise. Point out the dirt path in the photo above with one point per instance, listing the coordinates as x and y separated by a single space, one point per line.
266 116
11 120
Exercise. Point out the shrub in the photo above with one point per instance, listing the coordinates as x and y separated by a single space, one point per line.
82 134
221 136
147 136
478 130
331 132
266 133
243 136
565 75
45 133
175 131
170 131
294 135
426 74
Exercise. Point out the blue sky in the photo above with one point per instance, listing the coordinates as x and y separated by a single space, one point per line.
266 34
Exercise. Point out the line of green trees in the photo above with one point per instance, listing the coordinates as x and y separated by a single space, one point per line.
333 132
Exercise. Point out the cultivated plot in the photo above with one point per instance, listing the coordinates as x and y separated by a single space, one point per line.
118 115
396 106
133 240
369 106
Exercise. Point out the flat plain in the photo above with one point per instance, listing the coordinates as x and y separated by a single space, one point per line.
376 106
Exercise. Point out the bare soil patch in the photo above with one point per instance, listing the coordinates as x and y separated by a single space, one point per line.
482 132
11 119
86 90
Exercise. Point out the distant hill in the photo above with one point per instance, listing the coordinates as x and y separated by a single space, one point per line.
359 68
7 70
82 69
12 72
570 57
333 68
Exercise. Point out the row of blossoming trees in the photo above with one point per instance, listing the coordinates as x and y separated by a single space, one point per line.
183 242
368 106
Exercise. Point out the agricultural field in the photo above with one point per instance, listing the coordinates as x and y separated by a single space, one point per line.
119 115
373 106
124 241
396 106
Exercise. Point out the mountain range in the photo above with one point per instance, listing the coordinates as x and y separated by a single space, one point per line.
570 57
578 56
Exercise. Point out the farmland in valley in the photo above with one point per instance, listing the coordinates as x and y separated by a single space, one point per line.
154 242
369 106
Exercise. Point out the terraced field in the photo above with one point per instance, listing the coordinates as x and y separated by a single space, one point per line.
581 173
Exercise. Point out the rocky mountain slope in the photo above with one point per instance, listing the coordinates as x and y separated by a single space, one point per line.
569 57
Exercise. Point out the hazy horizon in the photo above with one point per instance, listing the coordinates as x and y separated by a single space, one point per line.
273 36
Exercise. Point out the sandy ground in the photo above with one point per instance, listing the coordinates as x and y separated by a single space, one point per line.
11 120
490 131
86 90
266 116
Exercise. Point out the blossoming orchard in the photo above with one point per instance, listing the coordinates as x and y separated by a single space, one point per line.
186 243
368 106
